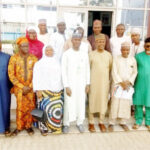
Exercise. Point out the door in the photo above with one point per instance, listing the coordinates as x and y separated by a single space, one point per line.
104 16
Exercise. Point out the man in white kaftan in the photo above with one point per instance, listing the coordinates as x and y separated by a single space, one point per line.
76 80
85 45
58 38
43 35
115 41
137 45
124 72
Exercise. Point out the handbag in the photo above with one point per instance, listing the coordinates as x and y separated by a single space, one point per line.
38 114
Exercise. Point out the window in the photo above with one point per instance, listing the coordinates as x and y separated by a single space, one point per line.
14 1
49 2
34 13
17 13
102 2
131 3
73 2
131 17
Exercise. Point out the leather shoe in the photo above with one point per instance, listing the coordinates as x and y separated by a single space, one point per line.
102 127
92 128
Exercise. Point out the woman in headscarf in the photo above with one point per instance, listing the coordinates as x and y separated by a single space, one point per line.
47 84
35 46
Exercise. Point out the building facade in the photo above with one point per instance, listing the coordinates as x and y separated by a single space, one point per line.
16 15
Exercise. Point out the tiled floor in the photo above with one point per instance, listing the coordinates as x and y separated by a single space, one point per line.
118 140
73 128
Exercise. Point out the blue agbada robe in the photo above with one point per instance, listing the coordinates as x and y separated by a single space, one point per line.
5 96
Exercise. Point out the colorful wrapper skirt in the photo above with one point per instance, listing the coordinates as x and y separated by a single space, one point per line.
52 105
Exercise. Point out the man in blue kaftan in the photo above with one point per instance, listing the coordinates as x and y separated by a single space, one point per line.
5 95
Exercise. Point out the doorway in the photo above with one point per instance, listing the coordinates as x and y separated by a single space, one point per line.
104 16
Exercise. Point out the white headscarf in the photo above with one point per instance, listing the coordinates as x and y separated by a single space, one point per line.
47 73
32 28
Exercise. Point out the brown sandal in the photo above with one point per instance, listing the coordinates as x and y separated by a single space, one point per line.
125 127
110 128
148 127
44 132
7 133
15 132
135 126
30 131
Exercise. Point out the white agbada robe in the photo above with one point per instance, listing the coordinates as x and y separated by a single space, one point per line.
75 75
57 40
135 49
47 74
115 44
123 69
44 38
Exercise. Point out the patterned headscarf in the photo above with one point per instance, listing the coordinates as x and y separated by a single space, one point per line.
21 40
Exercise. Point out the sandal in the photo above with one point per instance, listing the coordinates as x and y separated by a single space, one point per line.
30 131
44 132
125 127
7 133
15 132
148 127
135 126
110 128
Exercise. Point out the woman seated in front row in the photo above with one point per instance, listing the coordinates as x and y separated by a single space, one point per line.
47 84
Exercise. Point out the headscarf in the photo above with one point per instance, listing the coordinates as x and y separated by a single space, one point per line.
21 40
35 46
47 73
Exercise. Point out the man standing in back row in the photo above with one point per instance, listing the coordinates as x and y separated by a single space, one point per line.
97 28
58 38
118 39
43 34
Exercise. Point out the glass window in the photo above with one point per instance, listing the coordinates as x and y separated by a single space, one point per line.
51 2
131 3
148 4
13 13
147 29
11 31
130 17
73 2
74 19
34 13
14 1
102 2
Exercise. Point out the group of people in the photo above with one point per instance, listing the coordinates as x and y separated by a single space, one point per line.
59 75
